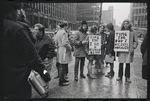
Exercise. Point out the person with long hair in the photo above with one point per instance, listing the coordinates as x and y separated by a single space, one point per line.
100 58
127 57
79 49
110 54
91 58
64 52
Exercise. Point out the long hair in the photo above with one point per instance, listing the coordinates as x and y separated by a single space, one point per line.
82 30
110 26
129 27
101 25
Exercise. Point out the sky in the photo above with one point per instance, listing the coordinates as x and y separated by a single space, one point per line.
121 11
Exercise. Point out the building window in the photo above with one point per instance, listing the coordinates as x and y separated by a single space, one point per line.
145 17
139 10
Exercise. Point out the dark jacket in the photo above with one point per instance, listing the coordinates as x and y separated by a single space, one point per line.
144 50
46 47
103 40
29 31
19 57
110 44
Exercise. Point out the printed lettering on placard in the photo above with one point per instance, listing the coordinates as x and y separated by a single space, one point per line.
94 45
121 42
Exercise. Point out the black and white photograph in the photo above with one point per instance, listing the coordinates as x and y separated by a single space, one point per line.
75 50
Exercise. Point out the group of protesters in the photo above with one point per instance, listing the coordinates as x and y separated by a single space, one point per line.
25 51
80 44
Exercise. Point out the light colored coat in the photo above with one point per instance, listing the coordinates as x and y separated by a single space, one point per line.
64 48
127 57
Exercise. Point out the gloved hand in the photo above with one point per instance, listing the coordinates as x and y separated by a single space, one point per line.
46 76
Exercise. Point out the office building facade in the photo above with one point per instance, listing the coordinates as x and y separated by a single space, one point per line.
138 14
49 14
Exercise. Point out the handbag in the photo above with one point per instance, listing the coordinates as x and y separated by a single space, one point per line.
40 86
109 59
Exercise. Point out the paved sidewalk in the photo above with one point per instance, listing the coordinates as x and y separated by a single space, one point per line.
102 87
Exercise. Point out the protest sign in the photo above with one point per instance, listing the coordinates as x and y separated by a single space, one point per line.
94 45
121 42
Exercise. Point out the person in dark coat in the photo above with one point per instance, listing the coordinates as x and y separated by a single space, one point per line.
45 46
24 22
144 56
79 49
110 48
19 55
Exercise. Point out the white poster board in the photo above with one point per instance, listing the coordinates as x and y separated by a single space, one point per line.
121 42
94 45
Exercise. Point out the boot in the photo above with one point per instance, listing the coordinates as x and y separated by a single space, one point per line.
119 79
128 80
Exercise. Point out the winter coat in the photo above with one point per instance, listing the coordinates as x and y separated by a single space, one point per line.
103 40
127 57
19 57
64 48
144 50
79 49
110 44
45 47
29 31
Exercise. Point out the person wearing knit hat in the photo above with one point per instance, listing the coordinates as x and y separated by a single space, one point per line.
79 49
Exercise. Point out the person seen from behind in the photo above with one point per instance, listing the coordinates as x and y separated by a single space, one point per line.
19 55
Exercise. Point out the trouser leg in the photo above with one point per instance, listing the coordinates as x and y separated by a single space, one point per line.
61 73
120 73
66 70
127 70
82 65
111 67
57 66
76 66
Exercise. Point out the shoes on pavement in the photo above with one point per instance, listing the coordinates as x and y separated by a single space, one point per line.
66 77
65 80
82 76
56 77
119 79
88 75
110 74
93 77
76 78
63 84
128 80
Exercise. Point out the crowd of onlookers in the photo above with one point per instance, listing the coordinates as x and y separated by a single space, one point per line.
24 50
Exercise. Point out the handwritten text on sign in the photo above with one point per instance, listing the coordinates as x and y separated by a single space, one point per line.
94 45
121 41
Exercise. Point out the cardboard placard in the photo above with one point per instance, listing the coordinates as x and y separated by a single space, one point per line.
121 43
94 45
